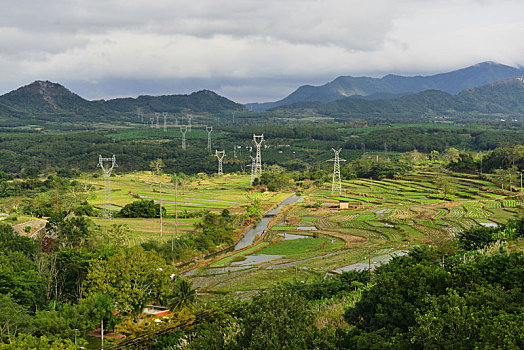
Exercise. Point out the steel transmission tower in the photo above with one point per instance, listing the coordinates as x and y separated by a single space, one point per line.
258 158
107 170
165 117
157 116
252 165
183 130
336 185
220 155
209 129
152 119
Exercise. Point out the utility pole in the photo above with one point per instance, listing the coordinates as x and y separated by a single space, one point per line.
258 158
209 129
220 155
183 130
161 223
336 184
156 166
176 213
102 334
107 170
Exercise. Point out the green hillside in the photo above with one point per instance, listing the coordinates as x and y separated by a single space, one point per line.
504 97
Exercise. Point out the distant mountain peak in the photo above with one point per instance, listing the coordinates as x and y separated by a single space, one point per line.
205 92
487 63
451 82
44 88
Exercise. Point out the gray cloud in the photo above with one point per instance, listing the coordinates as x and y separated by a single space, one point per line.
248 50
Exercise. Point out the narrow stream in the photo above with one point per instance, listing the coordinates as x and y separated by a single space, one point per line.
259 229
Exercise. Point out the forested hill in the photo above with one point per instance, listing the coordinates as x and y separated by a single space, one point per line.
201 102
504 97
395 85
44 98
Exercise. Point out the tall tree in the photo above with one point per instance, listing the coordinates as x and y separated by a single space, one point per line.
132 277
184 295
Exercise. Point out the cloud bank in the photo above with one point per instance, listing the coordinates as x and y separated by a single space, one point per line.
247 50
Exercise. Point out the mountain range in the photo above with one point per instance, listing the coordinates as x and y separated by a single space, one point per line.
48 98
501 98
392 86
386 97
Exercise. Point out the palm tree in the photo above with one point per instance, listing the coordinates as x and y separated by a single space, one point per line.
184 295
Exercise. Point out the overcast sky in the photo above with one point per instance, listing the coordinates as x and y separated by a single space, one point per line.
246 50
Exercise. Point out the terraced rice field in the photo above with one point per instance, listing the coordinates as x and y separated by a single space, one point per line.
385 215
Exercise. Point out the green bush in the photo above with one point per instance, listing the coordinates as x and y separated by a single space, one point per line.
141 209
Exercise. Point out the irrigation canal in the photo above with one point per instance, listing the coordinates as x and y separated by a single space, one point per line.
259 229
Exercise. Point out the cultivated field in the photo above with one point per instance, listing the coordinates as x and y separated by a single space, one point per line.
314 236
197 194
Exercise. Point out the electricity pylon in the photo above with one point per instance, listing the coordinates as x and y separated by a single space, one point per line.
157 116
336 185
107 170
220 155
258 157
152 119
165 117
252 165
209 129
183 130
